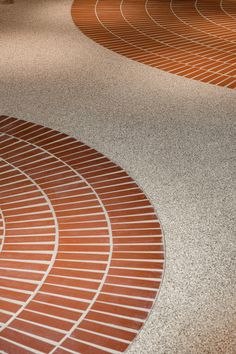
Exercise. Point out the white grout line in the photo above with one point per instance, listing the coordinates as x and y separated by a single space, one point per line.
22 270
36 129
85 270
52 135
14 182
27 206
6 312
119 316
132 286
56 180
141 309
58 306
13 123
156 279
91 280
208 19
13 157
5 119
53 255
73 278
155 270
3 166
4 230
29 127
77 160
17 302
34 336
63 145
20 194
30 235
227 13
102 171
42 325
231 83
19 281
77 152
30 220
15 289
80 261
63 297
66 350
56 194
128 296
80 270
32 243
97 164
23 200
122 39
118 339
28 214
194 27
17 188
93 345
112 325
51 316
11 176
166 42
24 261
30 350
49 172
42 165
31 251
124 196
32 163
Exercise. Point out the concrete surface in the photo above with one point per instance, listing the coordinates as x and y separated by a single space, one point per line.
173 135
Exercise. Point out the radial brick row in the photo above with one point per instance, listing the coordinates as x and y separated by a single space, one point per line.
82 256
191 38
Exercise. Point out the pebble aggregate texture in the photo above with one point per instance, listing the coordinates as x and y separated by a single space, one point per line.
174 136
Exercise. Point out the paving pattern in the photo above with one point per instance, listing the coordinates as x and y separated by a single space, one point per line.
82 253
191 38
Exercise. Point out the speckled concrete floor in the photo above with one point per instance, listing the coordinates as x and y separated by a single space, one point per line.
175 138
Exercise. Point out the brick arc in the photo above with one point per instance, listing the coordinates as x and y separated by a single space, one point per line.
81 247
191 38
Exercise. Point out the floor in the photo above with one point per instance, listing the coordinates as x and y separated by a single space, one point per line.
174 136
82 254
194 39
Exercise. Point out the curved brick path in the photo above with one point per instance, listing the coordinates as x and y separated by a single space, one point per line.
191 38
82 249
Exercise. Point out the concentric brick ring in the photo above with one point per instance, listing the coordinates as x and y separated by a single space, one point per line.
82 254
191 38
